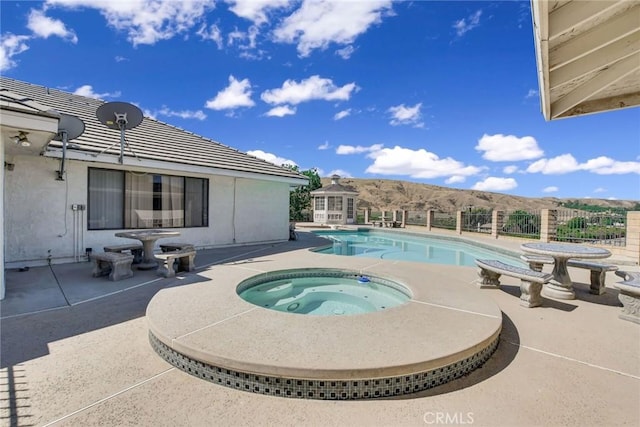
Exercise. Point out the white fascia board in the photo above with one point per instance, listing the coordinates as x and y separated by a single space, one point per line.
28 122
132 162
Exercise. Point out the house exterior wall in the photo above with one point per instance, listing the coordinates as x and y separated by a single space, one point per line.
39 221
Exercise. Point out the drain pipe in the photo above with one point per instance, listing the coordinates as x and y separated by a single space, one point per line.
233 210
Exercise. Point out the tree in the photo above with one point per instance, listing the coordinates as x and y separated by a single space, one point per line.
300 198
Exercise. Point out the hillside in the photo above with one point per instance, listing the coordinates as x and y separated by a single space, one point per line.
379 194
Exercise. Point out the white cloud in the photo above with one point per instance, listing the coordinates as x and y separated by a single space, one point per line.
510 169
120 58
44 27
318 23
566 163
87 90
281 111
551 189
10 46
417 164
455 179
606 166
493 183
600 190
244 40
342 114
324 146
145 21
271 158
313 88
236 95
350 149
533 93
508 148
467 24
256 10
345 52
403 115
558 165
341 173
212 33
184 114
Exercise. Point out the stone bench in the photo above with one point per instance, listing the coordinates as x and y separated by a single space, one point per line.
175 246
536 262
629 295
185 261
531 281
134 248
598 273
116 265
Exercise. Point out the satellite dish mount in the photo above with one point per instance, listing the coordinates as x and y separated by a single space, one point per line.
69 127
121 116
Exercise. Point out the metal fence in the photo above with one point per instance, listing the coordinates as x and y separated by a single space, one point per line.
571 225
602 228
521 223
477 220
446 220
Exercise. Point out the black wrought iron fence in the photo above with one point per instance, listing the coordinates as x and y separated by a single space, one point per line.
476 220
521 223
602 228
446 220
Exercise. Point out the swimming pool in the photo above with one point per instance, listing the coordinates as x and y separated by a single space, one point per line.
409 247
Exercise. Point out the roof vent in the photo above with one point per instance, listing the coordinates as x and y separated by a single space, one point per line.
335 179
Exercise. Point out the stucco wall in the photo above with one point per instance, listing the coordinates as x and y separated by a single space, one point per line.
36 205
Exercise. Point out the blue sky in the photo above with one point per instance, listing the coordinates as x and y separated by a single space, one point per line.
443 93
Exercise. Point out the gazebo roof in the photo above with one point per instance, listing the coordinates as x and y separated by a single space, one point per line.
335 187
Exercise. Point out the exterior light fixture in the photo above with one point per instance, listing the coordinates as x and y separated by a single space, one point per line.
22 140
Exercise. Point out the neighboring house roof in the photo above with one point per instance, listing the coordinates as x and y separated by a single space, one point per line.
588 55
151 140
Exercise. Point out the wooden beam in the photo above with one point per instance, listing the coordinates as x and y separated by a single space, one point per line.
572 14
604 104
596 60
590 41
597 84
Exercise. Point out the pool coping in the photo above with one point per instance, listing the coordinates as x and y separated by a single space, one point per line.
212 331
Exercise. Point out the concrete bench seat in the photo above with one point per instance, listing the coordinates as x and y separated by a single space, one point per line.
134 248
531 281
536 262
116 265
598 273
629 295
185 261
175 246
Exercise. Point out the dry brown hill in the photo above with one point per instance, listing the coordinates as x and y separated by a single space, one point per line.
383 194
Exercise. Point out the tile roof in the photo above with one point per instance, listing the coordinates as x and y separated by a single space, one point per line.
151 140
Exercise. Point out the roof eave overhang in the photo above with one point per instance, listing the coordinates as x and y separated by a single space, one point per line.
587 56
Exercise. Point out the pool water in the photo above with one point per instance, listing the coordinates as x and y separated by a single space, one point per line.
322 292
397 246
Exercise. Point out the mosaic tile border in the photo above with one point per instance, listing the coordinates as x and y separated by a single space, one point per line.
333 389
319 272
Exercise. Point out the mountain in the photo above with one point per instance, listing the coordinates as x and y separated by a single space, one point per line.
383 194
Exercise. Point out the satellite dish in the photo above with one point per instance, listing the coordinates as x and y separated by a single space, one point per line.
69 127
120 116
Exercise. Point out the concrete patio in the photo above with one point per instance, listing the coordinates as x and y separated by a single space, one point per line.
75 351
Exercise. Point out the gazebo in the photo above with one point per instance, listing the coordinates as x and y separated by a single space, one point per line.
334 204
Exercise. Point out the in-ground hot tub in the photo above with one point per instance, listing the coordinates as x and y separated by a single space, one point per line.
323 292
443 331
